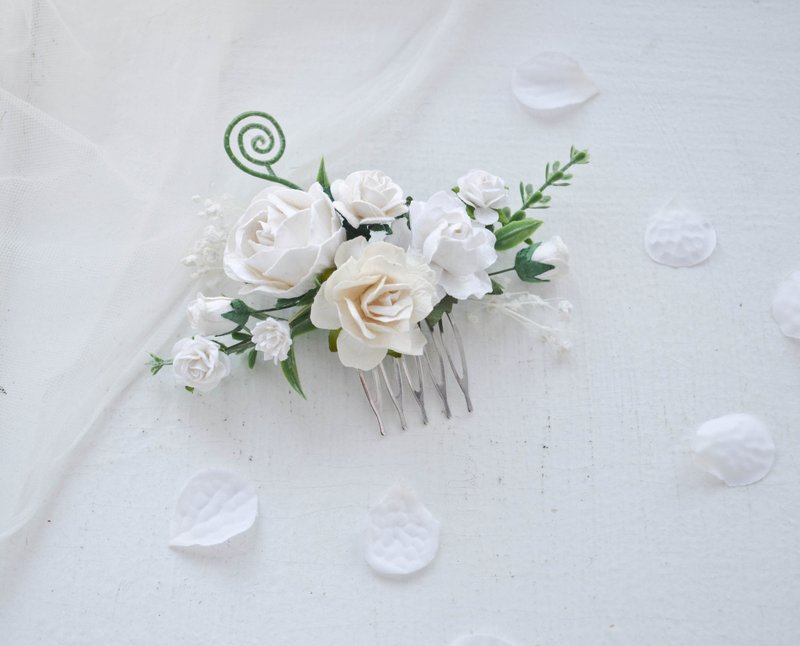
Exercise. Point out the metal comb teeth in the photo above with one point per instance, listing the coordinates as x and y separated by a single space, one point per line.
443 352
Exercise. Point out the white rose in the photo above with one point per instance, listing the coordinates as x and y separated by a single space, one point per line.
283 240
368 197
455 245
552 252
377 295
205 315
273 338
485 192
199 363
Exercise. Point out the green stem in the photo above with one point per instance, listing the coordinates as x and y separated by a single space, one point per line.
501 271
280 180
554 177
272 309
239 347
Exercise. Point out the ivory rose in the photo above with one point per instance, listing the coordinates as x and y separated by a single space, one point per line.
283 240
377 295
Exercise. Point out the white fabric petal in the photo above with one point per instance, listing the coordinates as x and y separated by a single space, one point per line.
402 534
213 506
551 80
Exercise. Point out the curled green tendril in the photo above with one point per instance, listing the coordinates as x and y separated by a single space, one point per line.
259 144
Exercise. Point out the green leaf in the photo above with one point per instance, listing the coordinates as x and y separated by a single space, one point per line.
333 336
527 268
322 278
579 156
301 322
497 288
303 299
515 233
189 389
238 314
251 358
529 189
241 336
322 176
289 369
156 363
444 306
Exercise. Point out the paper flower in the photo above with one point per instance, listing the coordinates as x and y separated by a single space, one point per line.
378 271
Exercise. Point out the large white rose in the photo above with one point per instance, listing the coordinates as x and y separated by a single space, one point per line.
273 338
199 363
283 240
205 315
455 245
368 197
485 192
552 252
377 295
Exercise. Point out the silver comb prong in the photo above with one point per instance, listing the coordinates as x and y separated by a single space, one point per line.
417 385
396 393
440 379
462 376
373 399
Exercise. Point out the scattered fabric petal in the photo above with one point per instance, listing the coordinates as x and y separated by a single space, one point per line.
551 80
786 306
402 535
480 640
214 506
736 448
679 237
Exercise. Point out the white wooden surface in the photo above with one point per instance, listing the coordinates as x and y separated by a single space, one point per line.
571 512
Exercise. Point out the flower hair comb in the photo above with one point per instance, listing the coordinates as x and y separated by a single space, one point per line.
377 270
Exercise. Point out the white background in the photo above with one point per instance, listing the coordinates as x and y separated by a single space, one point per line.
571 512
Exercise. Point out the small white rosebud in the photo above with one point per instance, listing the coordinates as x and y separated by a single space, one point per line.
205 315
553 252
273 338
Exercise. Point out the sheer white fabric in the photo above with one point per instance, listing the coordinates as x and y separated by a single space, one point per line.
111 117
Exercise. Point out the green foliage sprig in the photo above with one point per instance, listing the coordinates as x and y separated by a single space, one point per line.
517 228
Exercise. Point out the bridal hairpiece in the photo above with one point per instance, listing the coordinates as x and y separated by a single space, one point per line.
377 270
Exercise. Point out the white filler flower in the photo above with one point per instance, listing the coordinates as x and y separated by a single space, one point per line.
455 245
377 295
205 315
273 338
368 197
485 192
283 240
199 363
